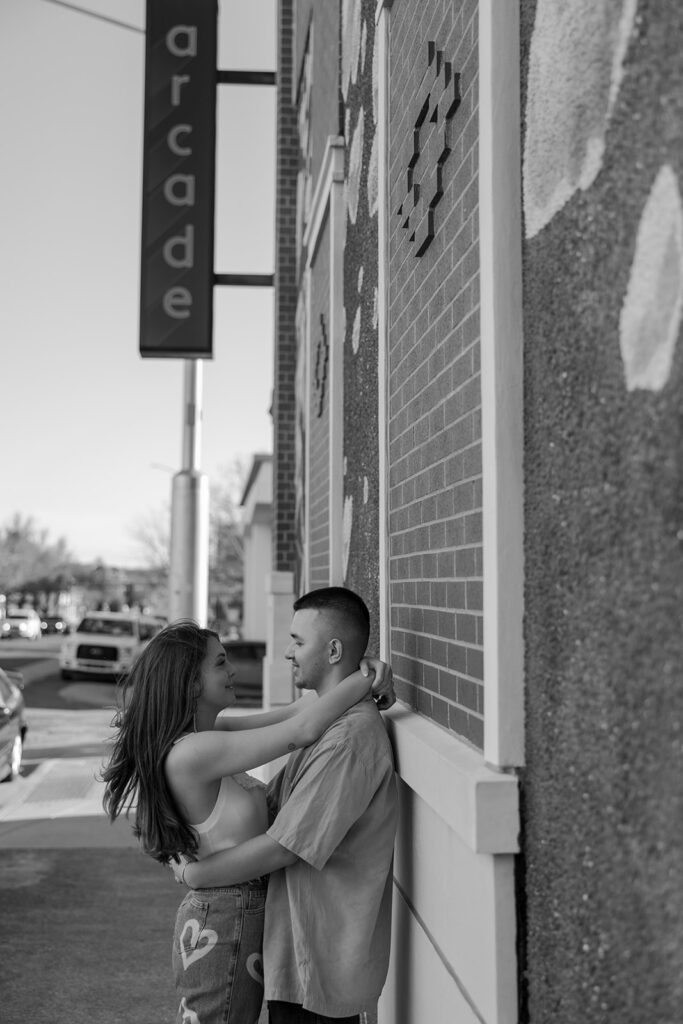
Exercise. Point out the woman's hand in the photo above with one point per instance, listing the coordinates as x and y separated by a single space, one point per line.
179 867
383 686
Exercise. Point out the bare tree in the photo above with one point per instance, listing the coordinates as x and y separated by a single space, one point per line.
226 553
152 534
27 555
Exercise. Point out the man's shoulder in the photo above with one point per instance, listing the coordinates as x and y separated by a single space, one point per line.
361 729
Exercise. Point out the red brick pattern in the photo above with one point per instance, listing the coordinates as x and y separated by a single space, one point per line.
435 484
284 503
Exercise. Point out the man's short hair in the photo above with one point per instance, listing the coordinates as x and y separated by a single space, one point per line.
344 606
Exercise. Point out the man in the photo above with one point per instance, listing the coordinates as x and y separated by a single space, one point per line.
328 913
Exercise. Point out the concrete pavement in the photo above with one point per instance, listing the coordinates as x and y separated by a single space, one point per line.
90 917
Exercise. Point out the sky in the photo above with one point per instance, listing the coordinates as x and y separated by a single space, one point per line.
91 432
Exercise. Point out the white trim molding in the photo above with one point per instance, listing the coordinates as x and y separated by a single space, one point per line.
453 958
337 215
500 243
382 42
478 804
331 172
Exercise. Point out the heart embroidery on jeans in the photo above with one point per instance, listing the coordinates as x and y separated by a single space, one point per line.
207 937
188 1015
255 967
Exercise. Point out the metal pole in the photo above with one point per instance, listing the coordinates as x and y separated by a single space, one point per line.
189 554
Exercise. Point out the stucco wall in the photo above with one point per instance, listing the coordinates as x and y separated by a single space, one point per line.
603 293
318 496
361 449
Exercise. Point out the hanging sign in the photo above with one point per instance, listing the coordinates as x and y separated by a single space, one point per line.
176 288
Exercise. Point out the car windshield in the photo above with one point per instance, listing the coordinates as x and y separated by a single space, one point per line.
149 629
106 627
5 692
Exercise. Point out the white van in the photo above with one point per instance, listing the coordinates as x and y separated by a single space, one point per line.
106 643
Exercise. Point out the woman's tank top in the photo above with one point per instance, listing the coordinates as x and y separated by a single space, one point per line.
240 813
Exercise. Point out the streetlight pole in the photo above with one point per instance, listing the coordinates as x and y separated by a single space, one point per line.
189 551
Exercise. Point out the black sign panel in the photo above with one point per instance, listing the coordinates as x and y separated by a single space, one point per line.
176 289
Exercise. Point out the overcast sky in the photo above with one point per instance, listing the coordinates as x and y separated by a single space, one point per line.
86 423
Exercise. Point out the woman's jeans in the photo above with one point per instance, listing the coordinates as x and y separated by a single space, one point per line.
217 954
293 1013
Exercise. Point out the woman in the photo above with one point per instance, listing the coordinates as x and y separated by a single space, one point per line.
184 768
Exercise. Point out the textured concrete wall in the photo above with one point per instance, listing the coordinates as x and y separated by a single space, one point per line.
603 295
361 449
318 495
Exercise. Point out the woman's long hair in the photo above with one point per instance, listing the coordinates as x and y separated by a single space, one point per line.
158 704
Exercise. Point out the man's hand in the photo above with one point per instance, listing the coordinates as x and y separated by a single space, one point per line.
383 686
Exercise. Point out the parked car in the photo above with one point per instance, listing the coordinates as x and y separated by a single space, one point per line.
105 644
149 627
23 623
54 624
13 725
246 657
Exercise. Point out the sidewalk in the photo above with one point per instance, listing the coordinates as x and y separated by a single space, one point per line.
60 804
88 918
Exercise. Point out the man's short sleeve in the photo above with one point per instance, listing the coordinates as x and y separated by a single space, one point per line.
330 793
273 790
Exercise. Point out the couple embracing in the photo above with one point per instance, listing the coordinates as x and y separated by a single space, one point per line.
290 883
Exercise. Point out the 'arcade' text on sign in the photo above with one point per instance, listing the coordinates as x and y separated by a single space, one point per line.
176 294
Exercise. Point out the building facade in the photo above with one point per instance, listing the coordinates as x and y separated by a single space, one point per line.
256 506
479 248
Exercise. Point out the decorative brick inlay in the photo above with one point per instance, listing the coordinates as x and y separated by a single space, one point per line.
431 148
322 353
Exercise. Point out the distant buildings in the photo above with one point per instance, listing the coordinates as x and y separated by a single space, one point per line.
257 514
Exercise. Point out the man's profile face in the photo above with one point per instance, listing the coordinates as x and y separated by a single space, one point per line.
309 650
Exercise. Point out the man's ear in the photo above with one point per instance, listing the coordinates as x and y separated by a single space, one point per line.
336 651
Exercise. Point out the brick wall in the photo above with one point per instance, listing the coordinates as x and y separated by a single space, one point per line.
284 505
325 107
435 487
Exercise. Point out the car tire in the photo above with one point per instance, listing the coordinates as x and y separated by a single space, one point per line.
15 760
65 675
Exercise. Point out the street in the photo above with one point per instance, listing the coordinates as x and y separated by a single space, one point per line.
82 705
43 686
69 725
71 883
